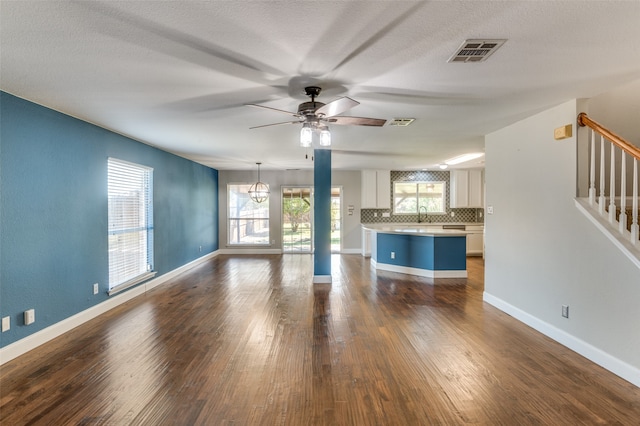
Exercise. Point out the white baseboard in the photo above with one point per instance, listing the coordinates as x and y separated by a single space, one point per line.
252 250
420 272
351 251
322 279
616 366
38 338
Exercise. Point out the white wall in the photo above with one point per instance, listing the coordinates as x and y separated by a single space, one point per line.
348 180
619 110
542 253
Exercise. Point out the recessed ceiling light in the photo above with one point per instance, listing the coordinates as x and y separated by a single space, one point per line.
464 158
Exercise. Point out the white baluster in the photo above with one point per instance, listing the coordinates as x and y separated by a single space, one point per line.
622 220
601 199
634 204
612 186
592 169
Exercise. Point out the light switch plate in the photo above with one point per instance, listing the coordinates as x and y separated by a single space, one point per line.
6 324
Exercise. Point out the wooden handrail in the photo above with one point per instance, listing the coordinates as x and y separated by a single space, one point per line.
584 120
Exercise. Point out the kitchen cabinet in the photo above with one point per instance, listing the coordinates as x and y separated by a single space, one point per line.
376 189
475 240
465 189
366 242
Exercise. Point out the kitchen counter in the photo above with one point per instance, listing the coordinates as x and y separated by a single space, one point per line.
419 249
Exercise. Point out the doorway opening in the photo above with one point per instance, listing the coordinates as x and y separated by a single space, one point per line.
336 219
297 219
297 208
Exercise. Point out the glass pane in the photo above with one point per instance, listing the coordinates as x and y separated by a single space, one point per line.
404 198
296 220
335 220
431 195
248 220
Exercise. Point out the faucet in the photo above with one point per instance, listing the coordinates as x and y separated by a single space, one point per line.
426 213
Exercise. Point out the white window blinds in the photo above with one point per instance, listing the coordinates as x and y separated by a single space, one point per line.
130 204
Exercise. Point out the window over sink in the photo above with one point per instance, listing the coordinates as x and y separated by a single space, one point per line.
410 197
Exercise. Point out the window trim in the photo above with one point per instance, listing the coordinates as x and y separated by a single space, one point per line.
444 196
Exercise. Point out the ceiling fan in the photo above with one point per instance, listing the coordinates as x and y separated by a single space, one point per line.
315 117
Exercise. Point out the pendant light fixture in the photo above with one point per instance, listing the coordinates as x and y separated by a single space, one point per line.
259 191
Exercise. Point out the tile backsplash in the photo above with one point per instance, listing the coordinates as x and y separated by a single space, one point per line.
461 215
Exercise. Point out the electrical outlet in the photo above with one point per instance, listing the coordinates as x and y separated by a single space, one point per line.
565 311
29 316
489 209
393 254
201 249
453 214
96 288
6 324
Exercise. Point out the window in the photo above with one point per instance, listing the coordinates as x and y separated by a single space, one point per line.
130 205
409 196
248 220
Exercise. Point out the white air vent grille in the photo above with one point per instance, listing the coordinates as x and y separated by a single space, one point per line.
402 122
476 50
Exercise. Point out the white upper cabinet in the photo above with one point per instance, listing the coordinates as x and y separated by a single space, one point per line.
376 189
466 189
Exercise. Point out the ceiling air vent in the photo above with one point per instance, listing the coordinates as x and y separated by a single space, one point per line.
476 50
402 122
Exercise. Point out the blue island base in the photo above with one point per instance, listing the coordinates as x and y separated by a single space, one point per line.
432 256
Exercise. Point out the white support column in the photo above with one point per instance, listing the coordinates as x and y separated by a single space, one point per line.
634 204
601 200
622 219
612 186
592 169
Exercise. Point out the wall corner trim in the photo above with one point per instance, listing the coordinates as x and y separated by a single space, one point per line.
607 361
41 337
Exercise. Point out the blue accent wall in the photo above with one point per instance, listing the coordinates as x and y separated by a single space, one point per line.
322 211
423 252
53 212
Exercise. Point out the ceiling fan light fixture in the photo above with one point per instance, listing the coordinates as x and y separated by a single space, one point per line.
325 137
306 135
259 191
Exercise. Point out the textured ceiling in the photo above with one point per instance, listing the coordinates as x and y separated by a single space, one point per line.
177 74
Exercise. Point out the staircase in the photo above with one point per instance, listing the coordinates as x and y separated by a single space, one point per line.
613 184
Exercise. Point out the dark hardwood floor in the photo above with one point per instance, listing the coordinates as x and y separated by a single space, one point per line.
248 340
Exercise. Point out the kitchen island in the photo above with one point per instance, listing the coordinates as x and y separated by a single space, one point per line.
427 251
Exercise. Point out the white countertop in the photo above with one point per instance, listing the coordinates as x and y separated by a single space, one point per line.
411 229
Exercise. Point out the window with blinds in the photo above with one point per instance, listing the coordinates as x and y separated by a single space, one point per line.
130 204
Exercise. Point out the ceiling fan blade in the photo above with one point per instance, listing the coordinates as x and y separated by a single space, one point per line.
276 124
295 114
356 121
337 107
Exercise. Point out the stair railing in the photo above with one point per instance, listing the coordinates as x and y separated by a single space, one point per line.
615 144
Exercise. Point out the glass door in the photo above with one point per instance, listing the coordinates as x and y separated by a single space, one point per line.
336 219
297 219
